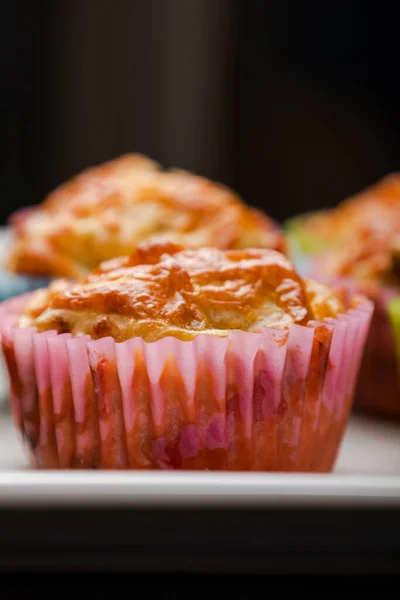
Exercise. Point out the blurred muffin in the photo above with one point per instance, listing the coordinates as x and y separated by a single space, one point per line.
360 240
107 210
178 358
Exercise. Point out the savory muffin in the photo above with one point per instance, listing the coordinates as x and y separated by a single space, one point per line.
184 358
366 222
359 240
163 290
106 210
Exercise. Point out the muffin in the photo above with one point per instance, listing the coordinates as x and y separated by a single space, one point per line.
177 358
359 241
105 211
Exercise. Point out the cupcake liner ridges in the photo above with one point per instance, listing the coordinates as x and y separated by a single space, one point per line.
378 386
11 306
277 400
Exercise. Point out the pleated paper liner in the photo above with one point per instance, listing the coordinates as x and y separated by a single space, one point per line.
379 385
11 306
378 388
277 400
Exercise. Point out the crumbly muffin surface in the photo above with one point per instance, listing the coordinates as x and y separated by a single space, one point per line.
163 289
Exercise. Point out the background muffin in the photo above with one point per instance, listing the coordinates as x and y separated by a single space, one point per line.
107 210
186 359
360 241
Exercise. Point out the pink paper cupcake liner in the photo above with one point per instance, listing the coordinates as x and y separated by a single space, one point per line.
277 400
378 387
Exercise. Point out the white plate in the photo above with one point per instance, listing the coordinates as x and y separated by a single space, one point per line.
367 474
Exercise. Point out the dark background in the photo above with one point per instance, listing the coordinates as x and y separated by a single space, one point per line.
294 104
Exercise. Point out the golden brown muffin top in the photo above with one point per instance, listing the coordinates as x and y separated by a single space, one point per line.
363 233
162 289
107 210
